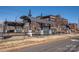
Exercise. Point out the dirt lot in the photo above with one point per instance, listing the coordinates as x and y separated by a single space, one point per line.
18 42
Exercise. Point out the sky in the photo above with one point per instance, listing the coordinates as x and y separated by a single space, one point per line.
11 13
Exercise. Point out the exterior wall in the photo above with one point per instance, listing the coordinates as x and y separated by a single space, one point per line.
73 26
9 28
1 28
64 21
59 22
35 26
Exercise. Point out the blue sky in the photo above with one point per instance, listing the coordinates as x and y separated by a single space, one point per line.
12 12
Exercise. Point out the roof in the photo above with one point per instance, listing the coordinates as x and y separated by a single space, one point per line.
39 20
13 23
72 24
48 16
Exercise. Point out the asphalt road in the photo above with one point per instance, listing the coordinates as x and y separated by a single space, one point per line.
59 46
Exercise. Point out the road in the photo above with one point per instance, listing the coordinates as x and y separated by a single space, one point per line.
58 46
